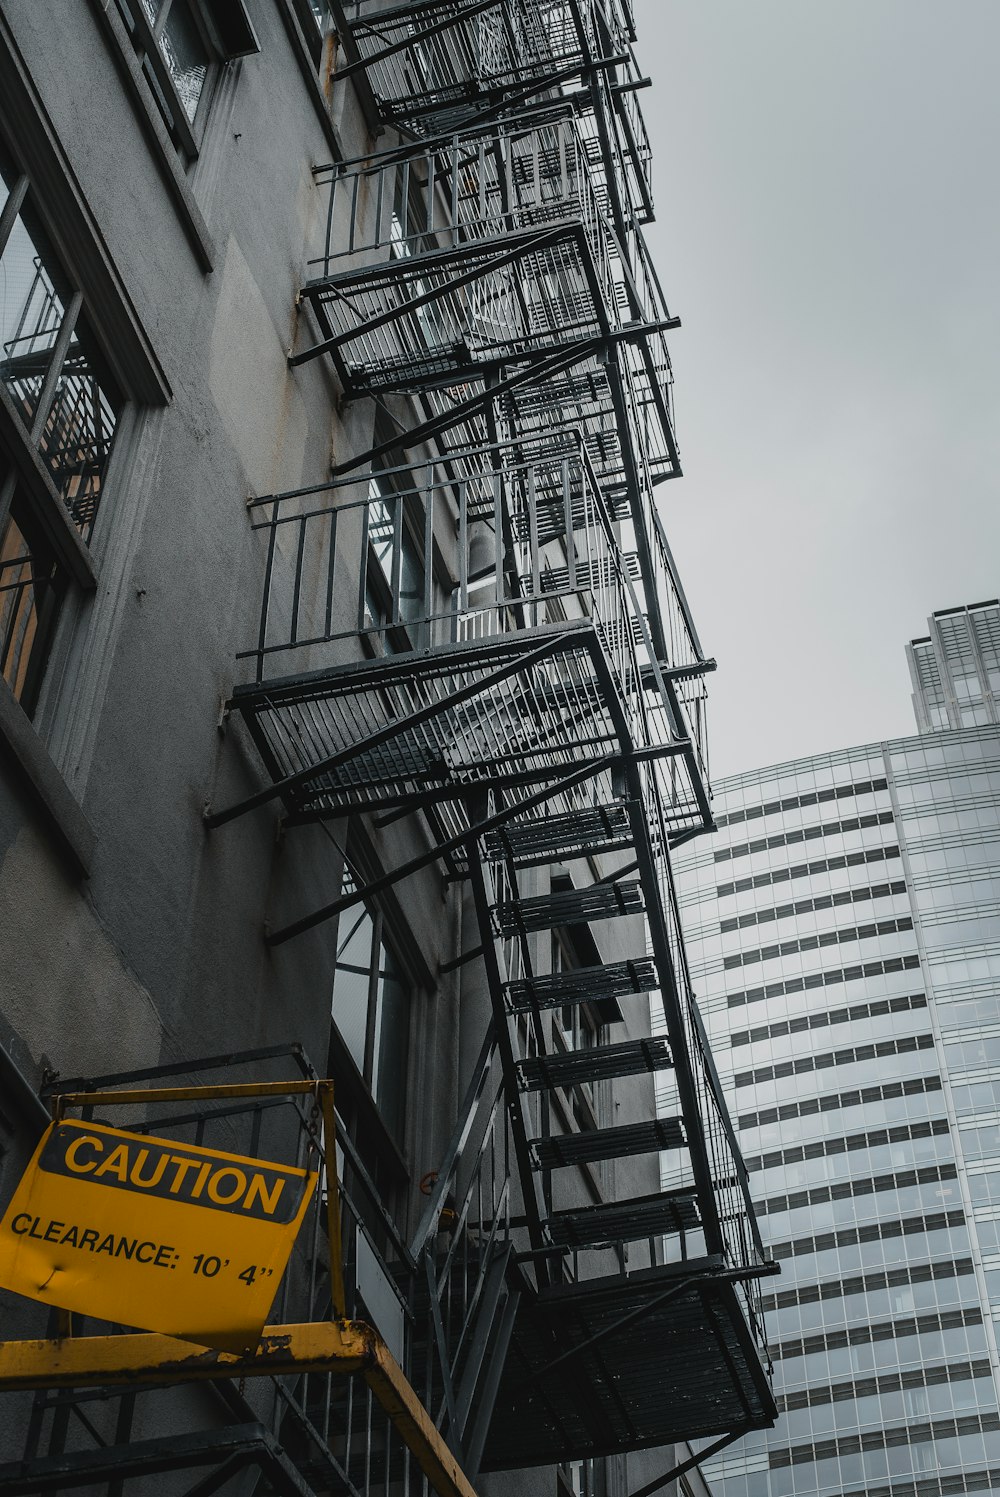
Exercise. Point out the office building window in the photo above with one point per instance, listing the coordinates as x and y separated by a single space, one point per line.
371 1007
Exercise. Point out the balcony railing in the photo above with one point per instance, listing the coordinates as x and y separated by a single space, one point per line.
472 185
433 59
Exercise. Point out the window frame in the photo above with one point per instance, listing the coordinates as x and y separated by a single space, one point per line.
381 938
54 737
185 133
25 480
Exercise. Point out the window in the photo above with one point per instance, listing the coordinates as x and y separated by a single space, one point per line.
61 403
317 22
580 1478
577 1027
32 587
396 578
179 44
371 1007
395 568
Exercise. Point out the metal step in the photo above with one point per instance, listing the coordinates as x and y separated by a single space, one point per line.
607 1143
571 834
582 985
569 907
598 1063
624 1221
587 574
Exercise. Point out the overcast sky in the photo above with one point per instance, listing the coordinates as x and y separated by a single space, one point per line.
828 230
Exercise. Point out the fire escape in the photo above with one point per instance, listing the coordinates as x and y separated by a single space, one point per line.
514 665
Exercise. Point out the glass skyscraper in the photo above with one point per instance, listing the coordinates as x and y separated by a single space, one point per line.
955 668
844 935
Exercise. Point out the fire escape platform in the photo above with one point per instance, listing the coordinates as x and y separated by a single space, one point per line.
668 1359
448 315
519 710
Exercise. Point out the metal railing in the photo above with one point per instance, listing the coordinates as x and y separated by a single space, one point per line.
421 56
463 1242
469 546
474 185
742 1246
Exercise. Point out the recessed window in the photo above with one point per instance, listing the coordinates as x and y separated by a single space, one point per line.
65 405
49 363
395 581
371 1007
180 45
32 587
578 1028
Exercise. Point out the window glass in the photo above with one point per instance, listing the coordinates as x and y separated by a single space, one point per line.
31 588
80 428
31 314
176 60
186 55
371 1007
385 514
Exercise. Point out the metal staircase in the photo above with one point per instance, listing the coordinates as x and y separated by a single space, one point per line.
516 667
477 623
551 762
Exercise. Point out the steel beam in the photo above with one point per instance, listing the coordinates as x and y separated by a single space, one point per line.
689 1465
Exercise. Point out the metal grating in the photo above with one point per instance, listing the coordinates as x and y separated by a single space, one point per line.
625 1221
544 839
582 985
601 1063
565 1150
683 1368
570 907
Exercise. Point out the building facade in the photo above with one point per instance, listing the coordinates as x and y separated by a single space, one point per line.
350 713
842 928
955 668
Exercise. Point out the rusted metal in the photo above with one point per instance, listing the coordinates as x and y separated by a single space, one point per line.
345 1348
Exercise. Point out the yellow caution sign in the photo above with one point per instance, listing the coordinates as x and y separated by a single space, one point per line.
149 1233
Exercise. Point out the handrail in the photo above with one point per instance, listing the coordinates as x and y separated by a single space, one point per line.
482 1072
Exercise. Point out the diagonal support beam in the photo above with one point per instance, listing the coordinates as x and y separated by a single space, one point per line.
440 850
534 374
228 1449
688 1465
383 735
411 39
609 1330
528 245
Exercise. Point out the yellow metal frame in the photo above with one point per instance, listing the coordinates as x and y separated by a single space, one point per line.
343 1347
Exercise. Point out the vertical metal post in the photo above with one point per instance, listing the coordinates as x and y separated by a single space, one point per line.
324 1091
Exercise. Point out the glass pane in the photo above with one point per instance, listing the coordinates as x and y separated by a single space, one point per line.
322 15
351 980
30 588
381 530
31 312
393 1031
76 441
186 55
384 506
